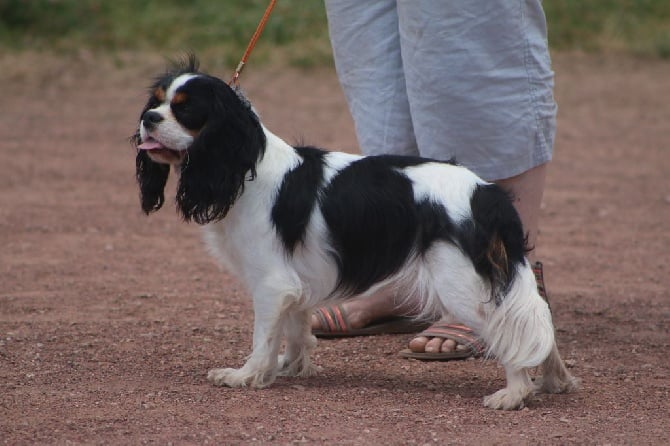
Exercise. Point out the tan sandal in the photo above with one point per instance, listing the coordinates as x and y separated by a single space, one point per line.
462 335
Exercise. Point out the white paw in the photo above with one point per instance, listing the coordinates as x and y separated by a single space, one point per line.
545 384
505 399
297 367
227 377
242 377
309 370
287 367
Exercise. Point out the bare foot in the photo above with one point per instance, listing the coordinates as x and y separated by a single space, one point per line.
423 344
362 311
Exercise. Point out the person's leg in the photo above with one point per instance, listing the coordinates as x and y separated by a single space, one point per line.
527 190
366 49
479 83
480 88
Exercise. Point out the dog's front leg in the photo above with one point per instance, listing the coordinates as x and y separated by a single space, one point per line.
272 304
299 345
260 368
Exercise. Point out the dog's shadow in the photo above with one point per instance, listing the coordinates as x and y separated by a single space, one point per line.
350 363
376 369
438 385
400 377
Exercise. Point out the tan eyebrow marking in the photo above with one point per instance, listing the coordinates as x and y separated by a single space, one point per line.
159 94
179 97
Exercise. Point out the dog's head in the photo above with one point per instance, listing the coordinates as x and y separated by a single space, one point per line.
207 131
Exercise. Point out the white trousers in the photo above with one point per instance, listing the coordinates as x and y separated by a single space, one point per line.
463 79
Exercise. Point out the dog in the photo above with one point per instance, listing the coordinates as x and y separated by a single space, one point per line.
304 227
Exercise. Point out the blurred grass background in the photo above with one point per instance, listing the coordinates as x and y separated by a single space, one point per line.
296 32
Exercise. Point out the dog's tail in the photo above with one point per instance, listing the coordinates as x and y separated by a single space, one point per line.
494 238
518 327
519 330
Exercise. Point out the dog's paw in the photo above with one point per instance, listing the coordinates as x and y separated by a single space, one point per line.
239 378
301 367
552 384
226 377
505 399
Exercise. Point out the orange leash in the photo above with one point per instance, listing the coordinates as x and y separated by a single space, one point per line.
252 43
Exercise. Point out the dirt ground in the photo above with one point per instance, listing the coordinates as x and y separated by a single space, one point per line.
109 320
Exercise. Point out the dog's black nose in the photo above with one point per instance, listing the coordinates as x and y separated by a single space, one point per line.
150 119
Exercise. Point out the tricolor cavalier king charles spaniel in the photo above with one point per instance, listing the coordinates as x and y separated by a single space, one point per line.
303 227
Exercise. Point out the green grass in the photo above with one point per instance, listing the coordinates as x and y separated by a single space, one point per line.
210 26
297 30
640 27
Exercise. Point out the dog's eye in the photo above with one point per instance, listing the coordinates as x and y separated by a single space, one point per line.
189 114
180 102
180 106
182 110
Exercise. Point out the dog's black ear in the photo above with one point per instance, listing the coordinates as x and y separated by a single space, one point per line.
151 177
223 156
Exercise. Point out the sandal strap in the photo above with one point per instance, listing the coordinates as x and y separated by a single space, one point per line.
539 278
459 333
332 319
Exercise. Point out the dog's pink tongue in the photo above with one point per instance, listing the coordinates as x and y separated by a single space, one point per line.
151 144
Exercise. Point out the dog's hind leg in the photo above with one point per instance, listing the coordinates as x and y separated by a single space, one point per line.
519 387
556 377
520 334
299 345
274 300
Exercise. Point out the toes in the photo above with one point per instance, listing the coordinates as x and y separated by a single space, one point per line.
421 344
448 346
434 345
418 344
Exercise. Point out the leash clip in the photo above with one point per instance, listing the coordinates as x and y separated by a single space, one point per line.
235 81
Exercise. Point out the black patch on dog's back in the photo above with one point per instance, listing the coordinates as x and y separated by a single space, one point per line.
434 224
376 225
374 221
297 197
